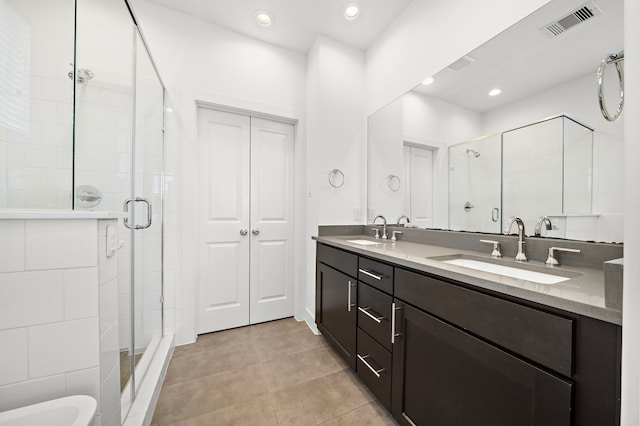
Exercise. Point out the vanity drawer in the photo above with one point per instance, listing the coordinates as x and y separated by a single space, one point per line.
373 366
376 274
539 336
338 259
374 313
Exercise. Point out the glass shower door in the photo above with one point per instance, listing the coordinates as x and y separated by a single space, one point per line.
145 212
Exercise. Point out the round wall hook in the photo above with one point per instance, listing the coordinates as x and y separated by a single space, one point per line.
336 178
393 182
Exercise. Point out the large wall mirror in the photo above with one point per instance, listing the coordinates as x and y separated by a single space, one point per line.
449 156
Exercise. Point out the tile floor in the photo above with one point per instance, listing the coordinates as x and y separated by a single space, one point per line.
276 373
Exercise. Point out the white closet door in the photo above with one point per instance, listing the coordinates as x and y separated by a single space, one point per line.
421 187
272 189
223 214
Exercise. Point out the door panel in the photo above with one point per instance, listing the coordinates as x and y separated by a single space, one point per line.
441 376
223 272
272 215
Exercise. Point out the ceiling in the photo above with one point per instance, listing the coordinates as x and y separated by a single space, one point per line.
522 60
297 22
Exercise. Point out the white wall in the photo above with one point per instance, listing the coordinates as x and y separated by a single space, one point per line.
428 36
335 140
631 294
202 62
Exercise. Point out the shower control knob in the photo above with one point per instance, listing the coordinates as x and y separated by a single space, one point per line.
243 232
255 231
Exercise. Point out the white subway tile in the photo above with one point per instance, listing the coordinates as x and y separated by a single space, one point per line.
32 392
110 394
40 155
30 298
108 305
60 244
13 356
109 351
80 293
85 382
63 347
12 245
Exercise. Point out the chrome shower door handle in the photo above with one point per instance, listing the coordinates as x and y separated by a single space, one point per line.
243 232
255 231
149 212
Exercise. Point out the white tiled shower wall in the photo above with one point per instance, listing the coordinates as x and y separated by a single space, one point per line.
58 314
35 141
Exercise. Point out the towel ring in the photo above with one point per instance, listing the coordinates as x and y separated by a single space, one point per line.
336 178
393 183
616 59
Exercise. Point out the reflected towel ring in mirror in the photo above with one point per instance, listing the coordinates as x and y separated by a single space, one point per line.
616 59
336 178
393 183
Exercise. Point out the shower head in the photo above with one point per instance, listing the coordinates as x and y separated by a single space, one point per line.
475 153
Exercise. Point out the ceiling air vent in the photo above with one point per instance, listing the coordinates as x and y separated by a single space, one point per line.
461 63
582 14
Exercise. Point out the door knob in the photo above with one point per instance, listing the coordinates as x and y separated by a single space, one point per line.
243 232
255 231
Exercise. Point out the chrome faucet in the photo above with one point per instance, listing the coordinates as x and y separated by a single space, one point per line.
520 257
403 217
384 225
542 220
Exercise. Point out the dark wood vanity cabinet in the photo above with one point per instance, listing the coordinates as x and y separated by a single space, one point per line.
336 300
444 376
462 355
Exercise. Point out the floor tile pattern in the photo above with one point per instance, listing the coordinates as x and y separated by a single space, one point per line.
277 373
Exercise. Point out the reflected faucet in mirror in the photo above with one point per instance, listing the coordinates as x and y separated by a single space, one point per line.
542 220
384 226
520 257
401 218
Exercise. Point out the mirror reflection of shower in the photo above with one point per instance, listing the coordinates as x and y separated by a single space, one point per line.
475 153
84 75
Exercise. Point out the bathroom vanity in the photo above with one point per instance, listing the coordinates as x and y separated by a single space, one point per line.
436 340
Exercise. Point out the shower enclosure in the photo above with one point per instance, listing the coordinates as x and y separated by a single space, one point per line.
81 127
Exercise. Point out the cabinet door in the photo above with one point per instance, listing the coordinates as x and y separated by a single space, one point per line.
336 310
443 376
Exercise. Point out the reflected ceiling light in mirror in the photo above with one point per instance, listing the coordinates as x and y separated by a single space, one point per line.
495 92
352 11
428 81
263 18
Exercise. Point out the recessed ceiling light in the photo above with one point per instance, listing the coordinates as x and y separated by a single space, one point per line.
352 11
428 81
263 18
495 92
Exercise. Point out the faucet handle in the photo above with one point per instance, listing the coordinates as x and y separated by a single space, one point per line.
496 247
552 261
377 232
393 237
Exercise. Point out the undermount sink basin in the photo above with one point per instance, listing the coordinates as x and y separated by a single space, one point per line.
363 242
523 272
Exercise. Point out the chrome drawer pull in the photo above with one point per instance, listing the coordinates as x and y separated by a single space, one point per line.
373 370
349 304
367 313
377 277
393 322
408 419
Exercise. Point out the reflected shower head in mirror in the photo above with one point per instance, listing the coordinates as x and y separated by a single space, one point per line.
475 153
